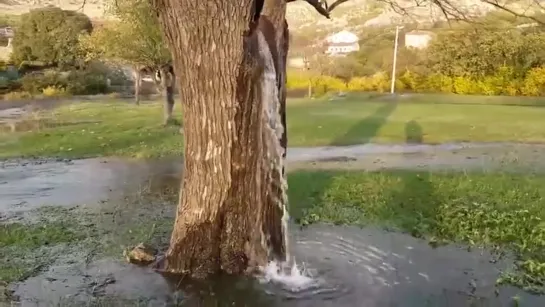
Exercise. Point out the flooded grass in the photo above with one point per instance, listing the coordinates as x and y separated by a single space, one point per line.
27 249
90 129
18 243
63 236
505 212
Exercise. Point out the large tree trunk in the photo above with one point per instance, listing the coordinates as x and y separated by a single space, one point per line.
230 212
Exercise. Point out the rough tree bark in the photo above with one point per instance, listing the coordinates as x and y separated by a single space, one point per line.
230 212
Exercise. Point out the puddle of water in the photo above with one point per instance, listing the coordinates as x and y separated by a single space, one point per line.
30 185
350 267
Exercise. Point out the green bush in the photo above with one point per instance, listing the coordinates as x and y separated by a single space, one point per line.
73 83
35 82
50 35
86 83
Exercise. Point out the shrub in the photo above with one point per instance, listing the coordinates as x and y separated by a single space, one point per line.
52 91
17 96
114 73
297 80
513 88
86 83
503 82
35 82
439 83
411 80
73 83
322 85
399 86
463 86
534 83
380 82
360 84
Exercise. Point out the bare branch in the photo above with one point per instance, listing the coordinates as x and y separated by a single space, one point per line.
449 9
320 6
496 4
335 4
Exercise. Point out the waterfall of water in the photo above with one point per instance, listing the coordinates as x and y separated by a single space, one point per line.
288 273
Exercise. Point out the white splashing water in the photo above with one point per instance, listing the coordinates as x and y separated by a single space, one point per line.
290 276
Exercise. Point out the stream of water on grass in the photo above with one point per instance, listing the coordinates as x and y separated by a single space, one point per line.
338 266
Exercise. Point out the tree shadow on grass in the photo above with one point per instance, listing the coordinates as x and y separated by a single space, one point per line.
416 201
303 196
364 131
408 203
413 133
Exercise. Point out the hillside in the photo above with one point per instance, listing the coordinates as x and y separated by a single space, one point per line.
300 14
305 23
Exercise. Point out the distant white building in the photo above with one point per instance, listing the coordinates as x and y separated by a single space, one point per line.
418 39
342 43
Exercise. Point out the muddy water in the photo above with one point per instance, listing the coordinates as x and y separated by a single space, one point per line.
352 267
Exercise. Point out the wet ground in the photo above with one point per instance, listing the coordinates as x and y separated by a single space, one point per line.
353 267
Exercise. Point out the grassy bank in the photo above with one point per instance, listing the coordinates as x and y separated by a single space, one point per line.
121 129
501 211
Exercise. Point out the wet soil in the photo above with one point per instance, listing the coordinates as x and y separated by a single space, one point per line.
125 202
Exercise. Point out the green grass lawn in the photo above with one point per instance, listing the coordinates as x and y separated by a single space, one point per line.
121 129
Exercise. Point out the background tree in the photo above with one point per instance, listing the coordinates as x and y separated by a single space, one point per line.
477 53
345 68
50 35
134 39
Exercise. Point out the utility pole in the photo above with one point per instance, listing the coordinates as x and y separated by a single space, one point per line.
392 88
306 62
